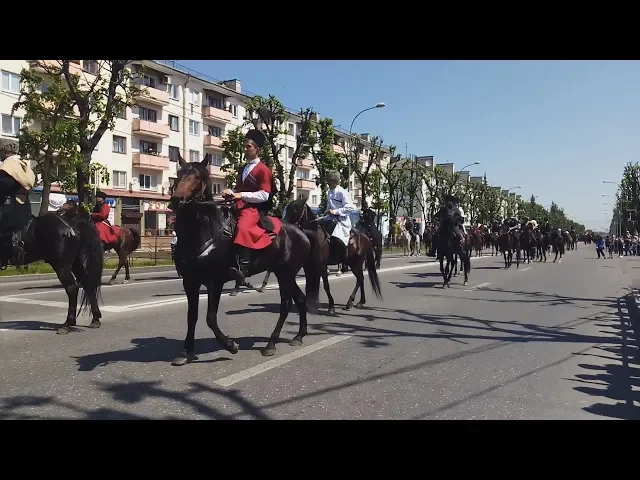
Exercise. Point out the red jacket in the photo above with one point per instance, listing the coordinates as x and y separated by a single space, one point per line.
102 214
260 178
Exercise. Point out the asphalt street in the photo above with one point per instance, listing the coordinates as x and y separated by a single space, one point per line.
545 341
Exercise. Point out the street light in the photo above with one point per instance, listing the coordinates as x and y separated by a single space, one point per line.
466 166
618 209
377 105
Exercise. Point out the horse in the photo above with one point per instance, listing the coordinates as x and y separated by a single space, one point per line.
360 253
557 241
368 227
206 228
73 249
527 242
477 240
447 246
505 242
127 242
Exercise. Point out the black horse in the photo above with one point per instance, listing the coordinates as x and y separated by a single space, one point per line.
367 226
449 244
71 245
206 229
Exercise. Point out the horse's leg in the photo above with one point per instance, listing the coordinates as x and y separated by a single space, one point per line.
450 261
327 290
300 301
466 264
121 260
353 296
358 271
506 263
127 277
264 282
287 289
71 287
192 290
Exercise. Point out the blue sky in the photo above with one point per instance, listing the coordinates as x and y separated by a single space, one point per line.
556 128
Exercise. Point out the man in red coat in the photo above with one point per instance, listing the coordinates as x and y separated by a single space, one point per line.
253 194
100 217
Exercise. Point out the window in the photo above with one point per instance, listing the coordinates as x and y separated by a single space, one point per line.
148 114
10 82
217 160
195 97
174 152
122 113
174 123
148 147
119 144
90 66
174 92
302 195
314 199
119 179
194 127
148 81
216 188
234 110
10 125
147 182
291 129
215 131
290 151
194 156
215 102
303 174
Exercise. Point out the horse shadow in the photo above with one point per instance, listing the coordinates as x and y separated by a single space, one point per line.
619 379
435 275
34 325
161 349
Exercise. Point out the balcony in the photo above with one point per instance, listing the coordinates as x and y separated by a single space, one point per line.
305 184
152 162
216 171
357 192
74 65
211 141
306 162
217 114
338 149
363 158
153 96
150 129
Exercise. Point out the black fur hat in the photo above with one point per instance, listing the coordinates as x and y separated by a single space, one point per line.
257 137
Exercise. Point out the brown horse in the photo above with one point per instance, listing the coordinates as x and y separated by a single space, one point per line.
360 252
127 243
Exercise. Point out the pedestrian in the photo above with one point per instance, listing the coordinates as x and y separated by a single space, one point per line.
600 247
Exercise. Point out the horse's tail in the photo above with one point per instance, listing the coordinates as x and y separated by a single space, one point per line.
313 272
135 239
373 275
92 257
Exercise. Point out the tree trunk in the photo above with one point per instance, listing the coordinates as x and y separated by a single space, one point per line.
46 188
81 178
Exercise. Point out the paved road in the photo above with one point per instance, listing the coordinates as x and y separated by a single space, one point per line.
544 341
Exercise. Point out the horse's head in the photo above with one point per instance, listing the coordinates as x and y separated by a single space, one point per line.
193 182
298 212
68 209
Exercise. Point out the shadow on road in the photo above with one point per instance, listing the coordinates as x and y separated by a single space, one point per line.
615 380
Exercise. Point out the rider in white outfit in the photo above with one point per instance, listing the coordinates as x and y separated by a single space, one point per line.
339 207
464 230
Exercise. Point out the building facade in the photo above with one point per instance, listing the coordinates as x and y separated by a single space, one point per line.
178 113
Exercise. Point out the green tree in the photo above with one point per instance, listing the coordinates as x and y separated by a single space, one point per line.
324 157
100 96
270 116
49 136
362 169
394 175
233 147
437 182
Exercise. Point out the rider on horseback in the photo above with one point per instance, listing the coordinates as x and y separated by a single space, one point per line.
337 222
253 198
16 180
453 207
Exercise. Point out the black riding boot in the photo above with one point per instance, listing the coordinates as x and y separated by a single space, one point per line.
243 259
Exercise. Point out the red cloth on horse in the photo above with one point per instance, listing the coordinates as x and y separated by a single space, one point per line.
108 234
249 234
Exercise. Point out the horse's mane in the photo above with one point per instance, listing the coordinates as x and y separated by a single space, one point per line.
299 203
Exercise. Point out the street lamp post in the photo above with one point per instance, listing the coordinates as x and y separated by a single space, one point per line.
377 105
618 209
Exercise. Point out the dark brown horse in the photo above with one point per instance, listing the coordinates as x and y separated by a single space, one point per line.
127 243
204 256
360 252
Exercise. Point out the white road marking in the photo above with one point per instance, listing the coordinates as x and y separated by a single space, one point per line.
525 269
276 362
480 285
182 299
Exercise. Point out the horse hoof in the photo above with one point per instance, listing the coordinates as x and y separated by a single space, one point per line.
260 290
63 330
125 281
448 286
465 283
347 307
268 351
359 305
110 282
181 359
95 324
295 342
331 311
233 293
232 347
